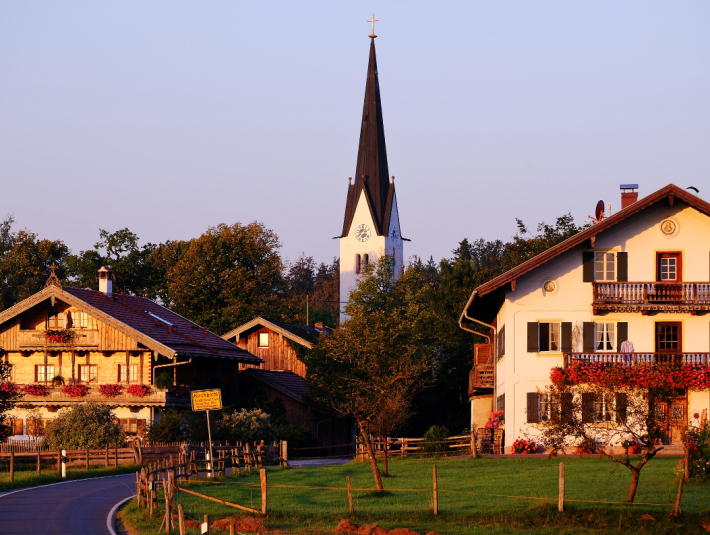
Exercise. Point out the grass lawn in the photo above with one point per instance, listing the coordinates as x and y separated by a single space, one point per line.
586 479
26 475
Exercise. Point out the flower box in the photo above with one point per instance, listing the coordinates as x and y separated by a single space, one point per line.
59 336
36 390
110 391
75 391
139 390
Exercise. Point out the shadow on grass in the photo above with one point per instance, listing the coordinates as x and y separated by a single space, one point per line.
376 494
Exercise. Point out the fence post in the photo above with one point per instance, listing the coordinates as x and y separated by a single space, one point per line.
39 462
59 463
676 510
561 498
436 494
474 449
12 466
115 453
350 495
87 457
686 468
63 453
106 454
181 520
262 474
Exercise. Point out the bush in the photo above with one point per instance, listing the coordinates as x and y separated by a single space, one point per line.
436 433
86 425
171 427
697 442
298 435
247 426
164 380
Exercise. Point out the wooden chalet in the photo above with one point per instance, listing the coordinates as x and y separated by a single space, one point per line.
90 338
281 374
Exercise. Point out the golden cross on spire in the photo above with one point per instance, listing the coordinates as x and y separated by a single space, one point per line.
53 267
373 20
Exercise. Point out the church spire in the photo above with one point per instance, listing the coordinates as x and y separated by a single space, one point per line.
372 173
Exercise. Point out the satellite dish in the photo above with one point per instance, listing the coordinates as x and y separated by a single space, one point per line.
599 211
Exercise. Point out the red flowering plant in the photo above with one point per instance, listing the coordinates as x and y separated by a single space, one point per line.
181 391
139 390
523 446
496 420
9 389
76 391
661 376
110 391
36 390
61 336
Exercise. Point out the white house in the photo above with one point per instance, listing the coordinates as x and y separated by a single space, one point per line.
642 275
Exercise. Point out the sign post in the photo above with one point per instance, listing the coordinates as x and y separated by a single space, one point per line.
207 400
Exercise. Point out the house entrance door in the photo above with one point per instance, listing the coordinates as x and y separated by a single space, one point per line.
672 414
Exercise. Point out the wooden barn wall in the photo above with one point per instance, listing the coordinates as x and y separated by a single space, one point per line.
9 335
280 355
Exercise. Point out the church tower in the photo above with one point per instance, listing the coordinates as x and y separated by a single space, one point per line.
371 225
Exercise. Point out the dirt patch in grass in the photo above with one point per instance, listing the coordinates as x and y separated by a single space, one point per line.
345 527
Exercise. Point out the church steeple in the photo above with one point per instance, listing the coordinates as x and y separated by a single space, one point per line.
372 173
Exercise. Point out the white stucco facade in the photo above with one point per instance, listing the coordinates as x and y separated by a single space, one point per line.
520 371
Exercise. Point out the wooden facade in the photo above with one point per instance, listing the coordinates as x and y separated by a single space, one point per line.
278 355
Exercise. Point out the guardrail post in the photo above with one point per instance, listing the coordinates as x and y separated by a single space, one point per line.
63 454
205 528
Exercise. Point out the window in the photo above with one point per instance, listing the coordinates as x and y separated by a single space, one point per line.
55 321
668 337
129 425
668 267
44 373
88 373
500 404
358 263
605 336
549 337
83 321
11 369
604 266
124 371
17 426
263 339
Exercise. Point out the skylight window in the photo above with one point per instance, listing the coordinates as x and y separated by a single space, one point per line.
166 322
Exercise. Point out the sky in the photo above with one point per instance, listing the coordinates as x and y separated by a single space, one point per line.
168 117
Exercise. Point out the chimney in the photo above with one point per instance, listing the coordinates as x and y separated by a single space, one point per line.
629 195
106 280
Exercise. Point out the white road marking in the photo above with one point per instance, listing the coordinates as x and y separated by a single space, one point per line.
111 518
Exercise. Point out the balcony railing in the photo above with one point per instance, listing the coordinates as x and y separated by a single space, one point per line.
481 376
156 398
642 296
35 339
634 359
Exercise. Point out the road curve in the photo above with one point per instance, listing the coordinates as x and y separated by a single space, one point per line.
68 508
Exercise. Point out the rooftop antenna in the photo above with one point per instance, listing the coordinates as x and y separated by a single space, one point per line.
598 213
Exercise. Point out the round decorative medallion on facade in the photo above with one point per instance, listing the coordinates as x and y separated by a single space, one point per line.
669 227
550 287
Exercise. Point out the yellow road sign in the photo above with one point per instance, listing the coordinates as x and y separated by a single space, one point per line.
206 400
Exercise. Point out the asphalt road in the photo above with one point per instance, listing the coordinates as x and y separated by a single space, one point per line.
70 508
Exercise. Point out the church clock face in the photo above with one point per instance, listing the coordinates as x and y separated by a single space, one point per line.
394 233
362 233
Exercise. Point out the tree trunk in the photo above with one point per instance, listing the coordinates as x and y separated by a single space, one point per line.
635 473
387 473
373 460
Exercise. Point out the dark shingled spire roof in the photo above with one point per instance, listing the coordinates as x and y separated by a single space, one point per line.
372 174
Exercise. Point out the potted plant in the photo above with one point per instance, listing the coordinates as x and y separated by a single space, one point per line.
57 380
587 446
523 447
629 445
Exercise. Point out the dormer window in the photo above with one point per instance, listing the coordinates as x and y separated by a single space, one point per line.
263 340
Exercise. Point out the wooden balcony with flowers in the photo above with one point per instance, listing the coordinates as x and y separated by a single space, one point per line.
58 339
644 297
638 358
110 394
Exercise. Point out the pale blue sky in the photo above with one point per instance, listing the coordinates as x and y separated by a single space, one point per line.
171 116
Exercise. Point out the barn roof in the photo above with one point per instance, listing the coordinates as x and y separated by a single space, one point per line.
156 327
288 383
482 302
305 335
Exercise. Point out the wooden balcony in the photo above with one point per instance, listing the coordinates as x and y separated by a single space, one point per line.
157 399
634 359
480 377
644 297
35 340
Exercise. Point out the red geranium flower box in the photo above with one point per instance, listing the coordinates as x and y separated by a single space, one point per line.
36 390
75 391
110 391
139 390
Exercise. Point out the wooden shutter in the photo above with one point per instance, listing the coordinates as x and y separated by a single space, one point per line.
17 426
532 337
622 334
621 404
587 408
140 427
566 337
587 266
588 337
533 407
622 267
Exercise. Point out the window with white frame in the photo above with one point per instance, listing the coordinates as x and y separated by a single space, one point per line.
549 337
44 373
88 373
128 373
546 407
605 335
263 339
605 266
